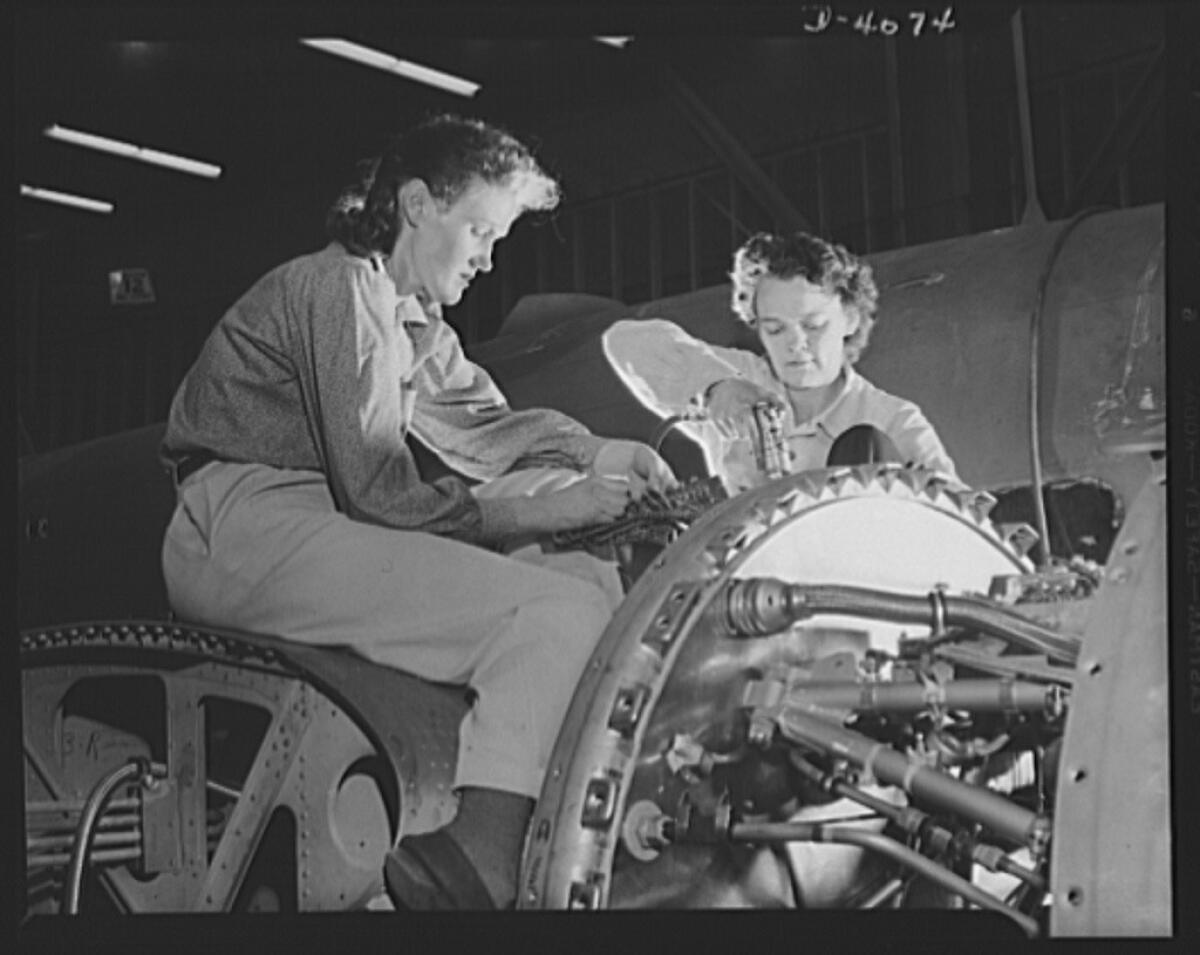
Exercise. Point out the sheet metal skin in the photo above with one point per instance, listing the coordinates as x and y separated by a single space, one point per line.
1111 859
952 334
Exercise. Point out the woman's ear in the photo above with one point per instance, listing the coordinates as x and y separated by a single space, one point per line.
415 201
853 320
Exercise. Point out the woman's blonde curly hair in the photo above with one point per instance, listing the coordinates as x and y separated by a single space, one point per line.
828 266
448 153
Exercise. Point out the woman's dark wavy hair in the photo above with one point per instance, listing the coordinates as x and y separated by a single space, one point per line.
824 264
447 152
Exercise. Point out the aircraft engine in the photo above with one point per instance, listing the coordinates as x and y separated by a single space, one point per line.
849 689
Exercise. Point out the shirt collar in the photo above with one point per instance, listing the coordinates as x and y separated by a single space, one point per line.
849 383
410 310
850 380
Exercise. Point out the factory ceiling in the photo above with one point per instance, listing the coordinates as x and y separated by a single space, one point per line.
235 87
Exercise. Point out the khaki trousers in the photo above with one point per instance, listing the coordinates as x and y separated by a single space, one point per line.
255 548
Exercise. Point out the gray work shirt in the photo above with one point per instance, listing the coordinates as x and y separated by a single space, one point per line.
323 365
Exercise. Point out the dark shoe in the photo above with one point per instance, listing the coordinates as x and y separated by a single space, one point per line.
430 871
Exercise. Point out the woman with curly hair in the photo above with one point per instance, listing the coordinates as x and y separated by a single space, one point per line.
302 513
812 304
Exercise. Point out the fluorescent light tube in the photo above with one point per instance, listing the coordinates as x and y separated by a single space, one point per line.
130 151
617 41
391 64
66 199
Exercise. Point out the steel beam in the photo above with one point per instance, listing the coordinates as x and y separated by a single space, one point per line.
721 141
895 139
1033 208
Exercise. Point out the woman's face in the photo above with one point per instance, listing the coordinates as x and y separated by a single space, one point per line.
803 329
451 244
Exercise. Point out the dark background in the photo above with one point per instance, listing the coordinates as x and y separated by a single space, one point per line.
875 141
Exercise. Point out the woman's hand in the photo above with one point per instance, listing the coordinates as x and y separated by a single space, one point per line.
586 500
622 471
730 405
637 463
590 500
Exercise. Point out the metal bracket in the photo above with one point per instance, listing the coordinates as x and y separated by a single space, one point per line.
250 815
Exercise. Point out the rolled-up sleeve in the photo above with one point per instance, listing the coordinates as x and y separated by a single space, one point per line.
668 370
465 419
354 382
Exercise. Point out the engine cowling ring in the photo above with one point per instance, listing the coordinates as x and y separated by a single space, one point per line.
660 667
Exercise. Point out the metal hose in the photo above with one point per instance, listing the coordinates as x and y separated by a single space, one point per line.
876 842
914 821
1018 871
925 784
760 606
660 433
87 825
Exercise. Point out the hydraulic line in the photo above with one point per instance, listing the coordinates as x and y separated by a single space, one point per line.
761 606
1008 696
92 808
66 840
64 807
816 832
1018 871
661 432
108 821
924 784
95 857
915 822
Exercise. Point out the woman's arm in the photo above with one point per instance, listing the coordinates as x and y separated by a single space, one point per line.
463 416
590 500
353 362
667 369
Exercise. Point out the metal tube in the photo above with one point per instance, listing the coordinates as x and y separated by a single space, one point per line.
76 806
660 433
815 832
91 810
831 783
913 820
761 606
996 813
65 841
107 821
98 857
976 695
1019 871
883 894
223 790
1033 210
